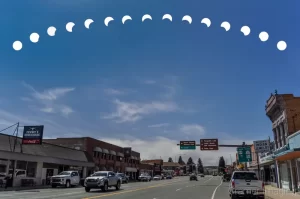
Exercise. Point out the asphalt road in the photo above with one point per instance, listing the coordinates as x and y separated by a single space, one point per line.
178 188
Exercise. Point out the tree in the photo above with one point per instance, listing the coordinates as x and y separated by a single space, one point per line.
180 161
200 166
221 165
170 159
190 161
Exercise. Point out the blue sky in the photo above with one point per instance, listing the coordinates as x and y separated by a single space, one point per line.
146 84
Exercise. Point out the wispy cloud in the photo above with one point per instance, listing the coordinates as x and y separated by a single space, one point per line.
158 125
134 111
192 129
111 91
48 99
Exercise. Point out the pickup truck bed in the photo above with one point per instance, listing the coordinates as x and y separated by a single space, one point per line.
245 183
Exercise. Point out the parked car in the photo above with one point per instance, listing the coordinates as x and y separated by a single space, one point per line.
144 177
123 177
157 177
65 178
201 175
169 177
245 184
193 177
102 180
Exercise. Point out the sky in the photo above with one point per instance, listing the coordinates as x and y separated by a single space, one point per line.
148 84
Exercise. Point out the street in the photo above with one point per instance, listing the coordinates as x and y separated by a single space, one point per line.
208 187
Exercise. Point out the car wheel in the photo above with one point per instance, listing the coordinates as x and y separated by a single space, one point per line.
68 185
54 186
233 196
118 185
87 189
105 187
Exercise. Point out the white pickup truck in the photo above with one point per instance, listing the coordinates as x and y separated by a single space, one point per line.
66 178
244 184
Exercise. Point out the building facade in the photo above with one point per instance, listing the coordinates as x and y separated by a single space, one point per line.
105 155
38 162
284 112
157 165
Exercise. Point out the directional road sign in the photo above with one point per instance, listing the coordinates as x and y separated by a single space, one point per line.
187 145
209 144
244 154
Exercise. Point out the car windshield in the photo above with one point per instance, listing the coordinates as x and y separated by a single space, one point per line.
100 174
245 176
65 173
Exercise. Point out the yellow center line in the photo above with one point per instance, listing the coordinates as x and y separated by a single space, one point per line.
133 190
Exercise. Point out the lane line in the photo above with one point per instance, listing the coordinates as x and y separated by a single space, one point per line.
214 193
133 190
178 189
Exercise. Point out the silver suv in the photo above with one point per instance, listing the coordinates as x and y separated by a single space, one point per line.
102 180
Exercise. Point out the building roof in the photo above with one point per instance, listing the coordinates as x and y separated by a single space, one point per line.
44 149
156 161
171 164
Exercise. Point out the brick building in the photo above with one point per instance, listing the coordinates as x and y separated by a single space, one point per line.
105 155
157 165
284 112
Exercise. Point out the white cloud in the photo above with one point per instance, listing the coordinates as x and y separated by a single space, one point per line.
26 99
192 129
47 110
158 125
111 91
161 147
65 110
49 97
131 112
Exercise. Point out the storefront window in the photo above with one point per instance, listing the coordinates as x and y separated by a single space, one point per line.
95 154
21 165
31 169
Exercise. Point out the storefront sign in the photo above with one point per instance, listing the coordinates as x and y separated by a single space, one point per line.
262 146
33 134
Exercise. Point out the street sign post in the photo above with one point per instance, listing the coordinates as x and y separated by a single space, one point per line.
187 145
261 146
244 154
209 144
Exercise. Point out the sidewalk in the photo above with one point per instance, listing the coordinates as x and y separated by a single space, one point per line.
275 193
24 188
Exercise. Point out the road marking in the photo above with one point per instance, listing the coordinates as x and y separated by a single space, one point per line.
214 193
178 189
133 190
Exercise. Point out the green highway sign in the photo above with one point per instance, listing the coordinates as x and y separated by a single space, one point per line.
244 154
187 145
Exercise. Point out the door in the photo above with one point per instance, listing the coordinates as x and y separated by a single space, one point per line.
74 178
112 178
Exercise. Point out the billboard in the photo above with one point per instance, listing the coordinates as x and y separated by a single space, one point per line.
261 146
33 134
209 144
127 152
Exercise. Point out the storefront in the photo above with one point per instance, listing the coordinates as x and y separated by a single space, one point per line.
39 162
287 159
268 169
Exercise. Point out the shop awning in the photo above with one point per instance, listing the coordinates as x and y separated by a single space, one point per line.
288 154
105 151
130 169
98 149
120 154
111 152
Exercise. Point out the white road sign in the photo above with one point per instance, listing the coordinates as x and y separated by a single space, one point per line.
261 146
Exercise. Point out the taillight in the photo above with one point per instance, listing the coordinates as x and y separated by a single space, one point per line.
263 185
233 184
